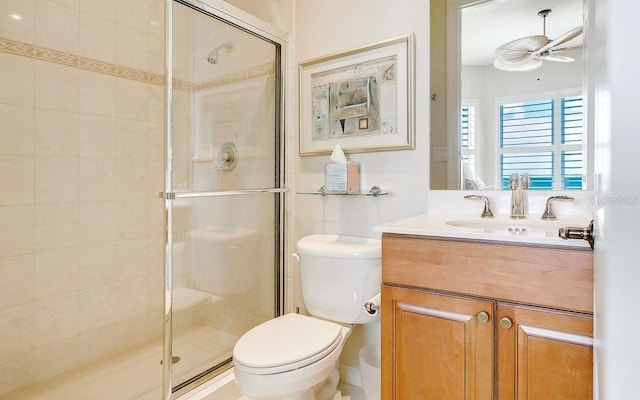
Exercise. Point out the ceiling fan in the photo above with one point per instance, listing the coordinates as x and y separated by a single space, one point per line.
527 53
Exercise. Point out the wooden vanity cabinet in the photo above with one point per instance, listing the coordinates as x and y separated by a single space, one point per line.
543 354
437 348
484 320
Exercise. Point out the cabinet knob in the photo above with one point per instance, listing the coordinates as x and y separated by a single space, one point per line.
483 317
505 323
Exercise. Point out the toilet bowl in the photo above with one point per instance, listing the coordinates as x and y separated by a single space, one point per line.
295 357
297 362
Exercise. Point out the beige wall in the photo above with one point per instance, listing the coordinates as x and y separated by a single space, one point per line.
333 26
81 168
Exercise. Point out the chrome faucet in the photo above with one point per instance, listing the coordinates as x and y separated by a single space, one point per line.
486 212
519 185
548 209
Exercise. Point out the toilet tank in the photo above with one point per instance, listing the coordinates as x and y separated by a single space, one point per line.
338 275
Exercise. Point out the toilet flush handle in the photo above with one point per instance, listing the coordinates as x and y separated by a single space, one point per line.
296 256
373 305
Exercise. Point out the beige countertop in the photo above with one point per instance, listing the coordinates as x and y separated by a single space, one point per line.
531 230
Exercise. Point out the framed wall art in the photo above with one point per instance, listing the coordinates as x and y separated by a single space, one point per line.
362 99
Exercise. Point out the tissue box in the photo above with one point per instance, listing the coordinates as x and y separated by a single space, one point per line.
342 178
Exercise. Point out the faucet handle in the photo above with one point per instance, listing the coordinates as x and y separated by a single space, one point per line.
486 212
514 181
525 181
548 209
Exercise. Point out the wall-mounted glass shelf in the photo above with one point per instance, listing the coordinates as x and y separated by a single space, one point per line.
375 191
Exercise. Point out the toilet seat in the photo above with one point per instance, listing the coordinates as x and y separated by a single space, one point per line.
286 343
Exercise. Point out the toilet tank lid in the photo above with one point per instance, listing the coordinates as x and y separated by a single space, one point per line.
340 246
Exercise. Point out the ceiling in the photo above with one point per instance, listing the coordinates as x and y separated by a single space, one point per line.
490 24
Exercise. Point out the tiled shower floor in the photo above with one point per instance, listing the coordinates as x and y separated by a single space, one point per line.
136 375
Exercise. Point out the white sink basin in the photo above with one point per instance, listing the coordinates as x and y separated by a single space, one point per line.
525 227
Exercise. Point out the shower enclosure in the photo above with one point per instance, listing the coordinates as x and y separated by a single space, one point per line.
108 290
224 188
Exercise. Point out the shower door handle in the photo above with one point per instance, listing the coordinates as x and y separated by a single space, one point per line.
189 195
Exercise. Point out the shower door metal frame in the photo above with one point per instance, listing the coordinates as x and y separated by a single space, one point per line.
247 23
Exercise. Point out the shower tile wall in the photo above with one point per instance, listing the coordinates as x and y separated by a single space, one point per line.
81 149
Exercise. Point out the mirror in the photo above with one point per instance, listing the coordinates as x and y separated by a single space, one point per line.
526 114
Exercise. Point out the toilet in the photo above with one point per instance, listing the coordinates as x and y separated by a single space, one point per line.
296 357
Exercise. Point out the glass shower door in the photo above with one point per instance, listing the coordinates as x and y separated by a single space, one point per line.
224 196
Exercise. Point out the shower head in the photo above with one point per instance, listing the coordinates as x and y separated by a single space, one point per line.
212 58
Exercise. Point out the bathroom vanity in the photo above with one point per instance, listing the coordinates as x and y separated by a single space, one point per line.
464 317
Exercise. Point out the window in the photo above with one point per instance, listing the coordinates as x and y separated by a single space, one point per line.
468 145
543 140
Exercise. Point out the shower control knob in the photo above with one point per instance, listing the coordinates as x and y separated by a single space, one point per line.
228 157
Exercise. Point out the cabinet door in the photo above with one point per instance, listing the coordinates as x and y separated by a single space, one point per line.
436 346
544 354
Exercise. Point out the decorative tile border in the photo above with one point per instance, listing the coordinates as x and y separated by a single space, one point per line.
98 66
17 48
72 60
183 85
58 57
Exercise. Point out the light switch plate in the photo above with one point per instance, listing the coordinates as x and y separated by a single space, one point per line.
440 153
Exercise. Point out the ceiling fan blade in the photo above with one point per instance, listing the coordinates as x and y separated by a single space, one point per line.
528 64
557 58
572 34
554 50
520 49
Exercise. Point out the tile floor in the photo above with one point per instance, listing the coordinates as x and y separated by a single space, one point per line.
349 392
